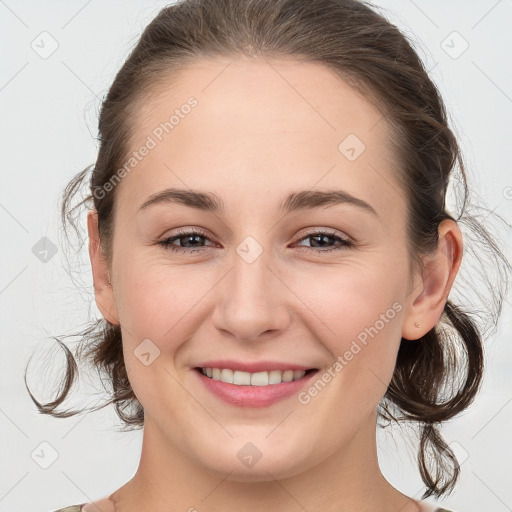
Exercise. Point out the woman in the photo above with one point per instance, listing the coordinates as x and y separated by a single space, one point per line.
272 256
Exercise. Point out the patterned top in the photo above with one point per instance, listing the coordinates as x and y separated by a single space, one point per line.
78 508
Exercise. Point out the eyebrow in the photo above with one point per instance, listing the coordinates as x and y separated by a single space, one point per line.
210 202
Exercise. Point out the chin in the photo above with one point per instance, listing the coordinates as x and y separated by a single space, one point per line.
244 461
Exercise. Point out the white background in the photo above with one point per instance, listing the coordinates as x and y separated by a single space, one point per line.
49 113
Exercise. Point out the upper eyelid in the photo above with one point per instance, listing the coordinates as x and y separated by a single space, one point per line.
188 231
312 232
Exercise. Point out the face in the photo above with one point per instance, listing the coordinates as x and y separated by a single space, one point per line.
301 283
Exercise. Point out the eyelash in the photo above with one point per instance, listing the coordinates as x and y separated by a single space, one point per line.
167 243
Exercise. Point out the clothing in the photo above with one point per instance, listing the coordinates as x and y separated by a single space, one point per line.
78 508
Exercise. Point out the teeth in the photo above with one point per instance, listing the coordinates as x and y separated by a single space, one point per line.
252 379
241 378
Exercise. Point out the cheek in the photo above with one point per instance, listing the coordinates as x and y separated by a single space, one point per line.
348 299
357 314
155 298
160 303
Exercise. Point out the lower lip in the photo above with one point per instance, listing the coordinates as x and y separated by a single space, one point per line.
254 396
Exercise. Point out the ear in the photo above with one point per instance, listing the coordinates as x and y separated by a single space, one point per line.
430 295
103 290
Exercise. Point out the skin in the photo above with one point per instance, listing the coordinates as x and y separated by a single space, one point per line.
261 130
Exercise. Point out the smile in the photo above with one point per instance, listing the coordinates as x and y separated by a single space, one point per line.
253 389
241 378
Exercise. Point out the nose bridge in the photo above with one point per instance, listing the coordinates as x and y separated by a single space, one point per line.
253 301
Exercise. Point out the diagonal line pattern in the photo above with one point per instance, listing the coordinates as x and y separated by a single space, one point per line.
318 181
378 378
408 501
492 419
492 81
14 423
217 486
216 76
287 492
13 217
88 498
170 170
491 491
13 279
13 13
485 15
198 301
278 424
71 71
316 110
17 483
198 402
301 301
14 76
424 14
391 185
69 431
75 15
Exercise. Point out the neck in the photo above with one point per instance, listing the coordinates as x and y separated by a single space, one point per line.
346 480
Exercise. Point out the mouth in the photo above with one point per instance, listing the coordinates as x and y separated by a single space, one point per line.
253 389
252 384
256 379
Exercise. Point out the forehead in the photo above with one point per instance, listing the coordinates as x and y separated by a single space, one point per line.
261 127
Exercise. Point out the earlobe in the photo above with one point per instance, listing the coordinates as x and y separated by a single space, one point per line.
440 270
103 290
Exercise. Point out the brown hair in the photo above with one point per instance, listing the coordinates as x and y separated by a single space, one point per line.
375 58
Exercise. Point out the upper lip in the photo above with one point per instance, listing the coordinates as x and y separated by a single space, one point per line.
259 366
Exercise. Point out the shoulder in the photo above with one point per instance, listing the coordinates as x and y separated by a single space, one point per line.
425 506
72 508
103 505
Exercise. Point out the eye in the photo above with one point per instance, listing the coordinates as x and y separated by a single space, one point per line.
190 237
193 237
322 237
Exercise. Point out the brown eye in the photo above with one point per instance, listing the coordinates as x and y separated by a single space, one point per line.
191 238
321 238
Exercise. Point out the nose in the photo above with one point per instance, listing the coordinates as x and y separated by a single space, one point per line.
254 300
